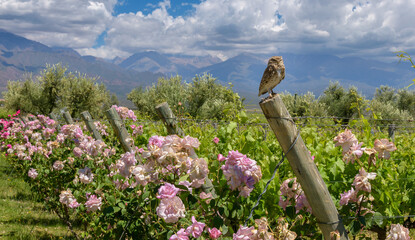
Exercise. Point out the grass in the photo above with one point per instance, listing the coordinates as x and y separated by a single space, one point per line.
20 216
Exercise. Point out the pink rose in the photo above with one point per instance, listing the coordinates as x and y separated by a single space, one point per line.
93 203
180 235
361 181
156 140
167 191
58 165
196 228
221 158
171 209
244 233
216 140
32 173
302 202
347 197
77 152
214 233
398 231
345 140
383 147
74 204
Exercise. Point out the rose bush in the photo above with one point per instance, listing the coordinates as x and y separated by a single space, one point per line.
159 189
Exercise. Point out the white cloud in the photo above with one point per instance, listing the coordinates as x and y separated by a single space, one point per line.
220 27
69 23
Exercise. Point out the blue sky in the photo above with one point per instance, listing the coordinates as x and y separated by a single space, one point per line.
222 28
178 7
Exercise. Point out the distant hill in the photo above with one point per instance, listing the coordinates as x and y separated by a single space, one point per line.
167 64
19 55
304 73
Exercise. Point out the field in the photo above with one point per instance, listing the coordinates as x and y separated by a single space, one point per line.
389 201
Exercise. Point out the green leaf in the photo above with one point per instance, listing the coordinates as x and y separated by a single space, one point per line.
183 178
234 213
123 211
240 212
265 148
378 219
226 212
249 137
224 229
243 118
116 209
355 227
340 165
231 126
217 222
111 199
108 210
121 205
362 220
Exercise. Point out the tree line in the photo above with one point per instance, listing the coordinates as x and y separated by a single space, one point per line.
202 98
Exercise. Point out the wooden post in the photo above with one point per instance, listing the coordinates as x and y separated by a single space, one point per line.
391 131
169 120
304 168
119 128
19 121
54 117
24 119
89 122
67 117
31 118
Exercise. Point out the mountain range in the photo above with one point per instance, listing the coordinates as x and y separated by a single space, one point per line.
304 72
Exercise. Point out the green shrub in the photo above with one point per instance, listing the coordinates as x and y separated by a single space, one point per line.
386 110
303 105
4 112
342 103
202 98
54 89
406 101
403 100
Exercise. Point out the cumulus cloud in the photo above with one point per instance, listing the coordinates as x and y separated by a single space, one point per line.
69 23
220 27
229 27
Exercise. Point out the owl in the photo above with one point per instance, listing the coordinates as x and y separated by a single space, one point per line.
273 75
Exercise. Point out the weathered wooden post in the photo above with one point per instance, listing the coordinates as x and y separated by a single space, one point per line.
55 118
24 119
18 120
119 129
31 118
391 131
89 122
169 120
304 168
68 118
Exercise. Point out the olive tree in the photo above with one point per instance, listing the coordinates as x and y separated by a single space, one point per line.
54 89
202 98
